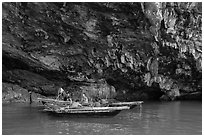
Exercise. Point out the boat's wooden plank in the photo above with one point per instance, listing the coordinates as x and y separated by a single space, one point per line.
78 110
90 111
104 108
127 103
88 108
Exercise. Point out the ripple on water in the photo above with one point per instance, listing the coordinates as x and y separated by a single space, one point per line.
153 118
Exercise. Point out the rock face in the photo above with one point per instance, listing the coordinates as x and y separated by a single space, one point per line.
15 93
134 47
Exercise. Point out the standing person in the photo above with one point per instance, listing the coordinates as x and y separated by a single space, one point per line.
61 94
30 93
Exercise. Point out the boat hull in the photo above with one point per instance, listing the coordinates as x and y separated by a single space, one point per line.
86 114
83 111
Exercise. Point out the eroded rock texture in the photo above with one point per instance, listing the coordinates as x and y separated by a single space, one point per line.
139 50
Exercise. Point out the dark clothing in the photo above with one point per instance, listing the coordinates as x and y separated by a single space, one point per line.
65 98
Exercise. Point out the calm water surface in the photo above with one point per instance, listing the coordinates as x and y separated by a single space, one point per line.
153 118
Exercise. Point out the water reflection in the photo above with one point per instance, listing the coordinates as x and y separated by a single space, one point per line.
172 118
152 118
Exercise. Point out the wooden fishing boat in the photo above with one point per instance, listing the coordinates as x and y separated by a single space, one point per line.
130 104
83 111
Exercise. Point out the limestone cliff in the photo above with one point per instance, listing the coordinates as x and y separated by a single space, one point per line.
138 50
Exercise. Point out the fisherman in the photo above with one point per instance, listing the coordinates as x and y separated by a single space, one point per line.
75 104
84 100
91 103
62 95
97 102
104 102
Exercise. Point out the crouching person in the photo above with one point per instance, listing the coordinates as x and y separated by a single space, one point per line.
84 100
75 104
